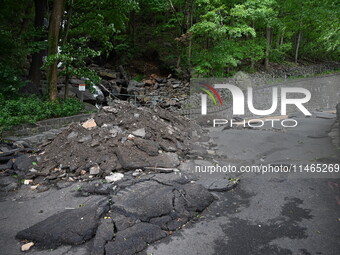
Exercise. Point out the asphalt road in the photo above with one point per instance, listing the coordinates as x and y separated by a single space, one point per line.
287 213
272 213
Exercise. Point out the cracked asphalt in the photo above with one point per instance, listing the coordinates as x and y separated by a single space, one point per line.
271 213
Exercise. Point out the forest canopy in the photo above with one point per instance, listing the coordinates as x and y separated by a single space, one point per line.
202 37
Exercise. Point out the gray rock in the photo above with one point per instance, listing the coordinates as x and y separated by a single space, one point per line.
150 147
133 86
94 170
72 135
139 132
85 139
23 163
167 145
133 158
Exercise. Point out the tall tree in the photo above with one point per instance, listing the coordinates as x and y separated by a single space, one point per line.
37 57
53 42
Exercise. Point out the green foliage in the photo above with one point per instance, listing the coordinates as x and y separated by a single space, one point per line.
213 37
278 54
215 60
10 82
73 57
31 109
101 20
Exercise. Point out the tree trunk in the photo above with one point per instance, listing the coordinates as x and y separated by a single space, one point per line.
297 46
68 21
268 36
53 40
37 58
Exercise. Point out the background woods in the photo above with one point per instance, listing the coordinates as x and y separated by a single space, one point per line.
45 39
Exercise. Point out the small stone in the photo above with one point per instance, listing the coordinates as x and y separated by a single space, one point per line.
42 188
114 177
137 172
94 143
110 109
82 172
34 187
27 246
139 132
108 75
130 137
211 152
85 139
72 135
33 170
94 170
89 124
114 132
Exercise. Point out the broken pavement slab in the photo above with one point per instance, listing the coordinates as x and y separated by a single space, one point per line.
140 213
134 239
71 227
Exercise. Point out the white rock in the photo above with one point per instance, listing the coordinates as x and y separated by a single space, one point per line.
27 246
27 182
130 137
211 152
137 172
95 169
110 109
139 132
114 177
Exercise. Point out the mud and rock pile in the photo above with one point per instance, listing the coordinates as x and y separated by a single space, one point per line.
121 137
15 164
167 92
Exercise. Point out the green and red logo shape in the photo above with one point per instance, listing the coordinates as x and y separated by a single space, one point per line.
213 94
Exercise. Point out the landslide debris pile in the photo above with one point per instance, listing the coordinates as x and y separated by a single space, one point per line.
121 137
167 92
